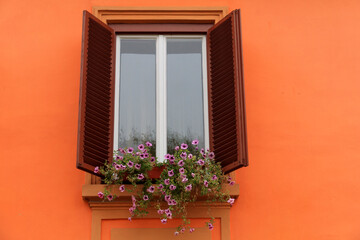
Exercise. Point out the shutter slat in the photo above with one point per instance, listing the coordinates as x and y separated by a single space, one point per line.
227 123
96 110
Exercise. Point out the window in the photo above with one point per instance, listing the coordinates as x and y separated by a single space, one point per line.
160 91
226 110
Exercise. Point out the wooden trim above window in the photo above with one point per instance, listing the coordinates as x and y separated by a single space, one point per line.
161 28
160 14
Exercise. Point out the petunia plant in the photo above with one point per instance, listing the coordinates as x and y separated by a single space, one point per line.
186 176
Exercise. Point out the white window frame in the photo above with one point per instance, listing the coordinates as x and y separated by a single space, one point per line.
161 95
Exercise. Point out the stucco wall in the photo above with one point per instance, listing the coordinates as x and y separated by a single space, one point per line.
302 94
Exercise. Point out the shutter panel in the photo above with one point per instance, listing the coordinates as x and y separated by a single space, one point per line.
97 83
226 93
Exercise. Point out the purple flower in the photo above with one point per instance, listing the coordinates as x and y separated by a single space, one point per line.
101 195
190 156
195 142
183 155
173 202
152 159
96 170
231 201
171 173
211 155
163 221
142 156
122 188
172 187
177 148
206 183
231 183
110 197
131 210
184 180
204 155
146 155
130 164
176 233
141 147
167 156
167 181
167 211
188 188
202 151
117 167
201 162
184 146
181 163
160 186
211 227
151 189
191 230
123 167
196 148
172 157
160 211
193 175
138 166
148 144
129 218
130 150
214 177
140 176
146 197
182 170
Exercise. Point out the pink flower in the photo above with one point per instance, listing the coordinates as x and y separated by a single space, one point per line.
141 147
169 215
167 198
176 233
191 230
160 211
231 183
122 188
148 144
202 151
160 186
206 183
182 170
172 187
172 157
130 164
152 159
183 155
146 155
142 156
130 150
167 181
177 148
193 175
122 167
184 180
146 197
197 148
190 156
138 166
151 189
167 156
140 176
188 188
231 201
184 146
133 199
201 162
96 170
101 195
129 218
211 227
214 177
117 167
182 230
110 197
163 221
195 142
171 173
181 163
211 155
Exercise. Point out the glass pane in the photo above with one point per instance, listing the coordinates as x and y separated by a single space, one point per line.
137 92
184 92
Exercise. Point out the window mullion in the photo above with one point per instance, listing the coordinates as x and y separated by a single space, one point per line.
117 94
205 94
161 123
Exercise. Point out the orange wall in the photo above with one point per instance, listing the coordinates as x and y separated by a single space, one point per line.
302 90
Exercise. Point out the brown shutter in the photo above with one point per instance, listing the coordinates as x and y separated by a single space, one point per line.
226 93
97 82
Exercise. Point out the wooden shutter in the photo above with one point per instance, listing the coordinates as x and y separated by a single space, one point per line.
97 83
226 93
